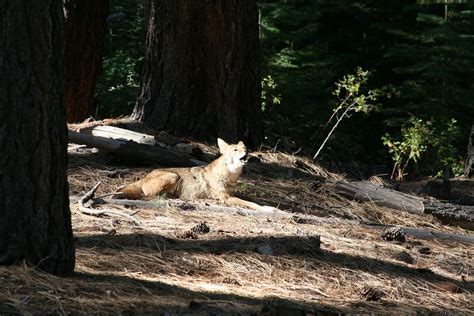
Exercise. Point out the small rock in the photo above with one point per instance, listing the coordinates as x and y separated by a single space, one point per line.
404 257
187 207
243 212
266 250
300 231
447 287
425 250
370 294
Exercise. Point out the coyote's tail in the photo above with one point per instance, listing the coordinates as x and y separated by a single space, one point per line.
131 191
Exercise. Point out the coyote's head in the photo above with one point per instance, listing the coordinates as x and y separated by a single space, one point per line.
234 155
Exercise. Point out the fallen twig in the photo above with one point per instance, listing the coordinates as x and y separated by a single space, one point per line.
89 211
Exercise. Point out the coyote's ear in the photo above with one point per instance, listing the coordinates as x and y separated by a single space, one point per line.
222 144
241 143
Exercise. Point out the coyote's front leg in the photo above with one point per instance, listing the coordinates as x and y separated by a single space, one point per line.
247 204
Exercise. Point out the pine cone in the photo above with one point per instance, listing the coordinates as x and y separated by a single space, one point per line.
393 234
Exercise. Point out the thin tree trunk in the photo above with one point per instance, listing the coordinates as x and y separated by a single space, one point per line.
84 37
201 75
35 221
469 163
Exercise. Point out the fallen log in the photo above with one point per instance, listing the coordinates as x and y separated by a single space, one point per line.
134 151
298 218
450 214
426 234
461 215
118 133
414 232
366 192
187 205
121 133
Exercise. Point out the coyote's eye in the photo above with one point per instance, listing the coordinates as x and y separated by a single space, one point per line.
235 149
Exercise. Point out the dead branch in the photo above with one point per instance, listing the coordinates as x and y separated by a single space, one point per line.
89 211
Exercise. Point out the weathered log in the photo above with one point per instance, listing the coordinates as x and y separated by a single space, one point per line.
427 234
118 133
121 133
188 205
367 192
410 231
298 218
132 150
461 215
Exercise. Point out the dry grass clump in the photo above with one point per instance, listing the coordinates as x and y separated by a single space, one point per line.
333 267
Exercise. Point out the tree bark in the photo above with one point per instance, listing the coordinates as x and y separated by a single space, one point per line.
84 37
35 220
201 75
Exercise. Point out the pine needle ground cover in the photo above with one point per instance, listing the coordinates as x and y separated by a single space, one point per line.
190 260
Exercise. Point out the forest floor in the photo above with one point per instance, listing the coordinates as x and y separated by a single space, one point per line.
245 264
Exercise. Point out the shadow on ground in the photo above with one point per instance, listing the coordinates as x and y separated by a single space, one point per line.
297 247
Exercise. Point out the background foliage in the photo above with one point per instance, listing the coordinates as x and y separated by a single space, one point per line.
122 62
420 55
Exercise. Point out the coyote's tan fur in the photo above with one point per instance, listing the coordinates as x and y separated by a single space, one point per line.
214 181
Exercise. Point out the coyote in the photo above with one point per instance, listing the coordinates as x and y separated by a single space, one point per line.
214 181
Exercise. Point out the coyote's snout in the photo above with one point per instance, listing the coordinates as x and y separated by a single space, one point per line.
214 181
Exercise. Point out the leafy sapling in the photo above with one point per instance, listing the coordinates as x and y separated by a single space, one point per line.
350 99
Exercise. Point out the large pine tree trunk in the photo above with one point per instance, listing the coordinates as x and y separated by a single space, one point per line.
35 221
201 75
84 37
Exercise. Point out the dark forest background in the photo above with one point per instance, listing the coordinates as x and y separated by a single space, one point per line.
420 58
